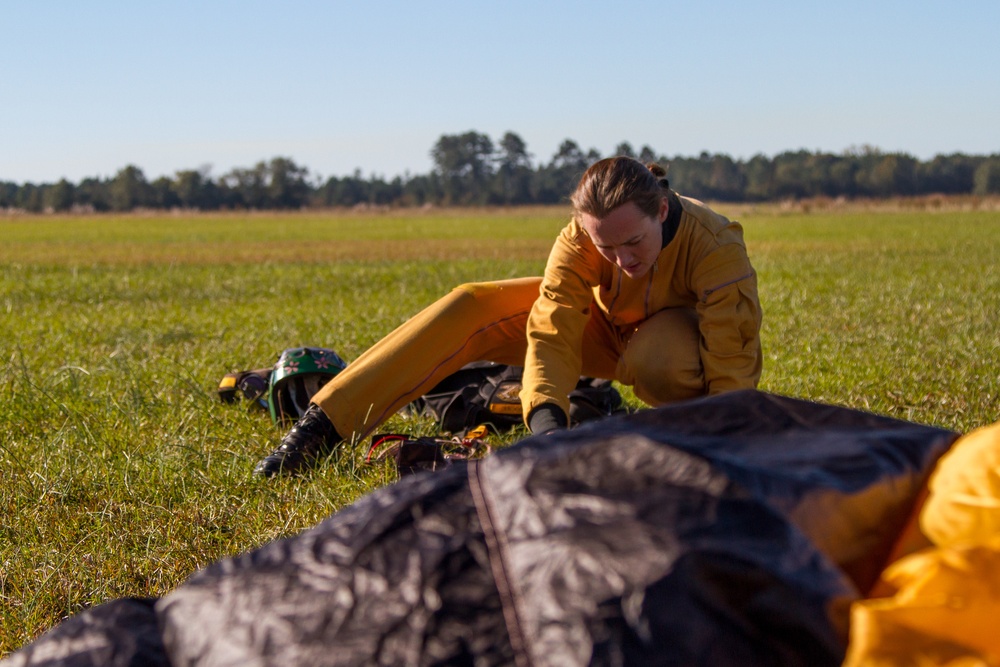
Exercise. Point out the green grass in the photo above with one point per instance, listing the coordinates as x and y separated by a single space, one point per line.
896 313
121 472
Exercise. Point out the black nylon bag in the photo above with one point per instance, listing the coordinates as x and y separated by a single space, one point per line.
487 393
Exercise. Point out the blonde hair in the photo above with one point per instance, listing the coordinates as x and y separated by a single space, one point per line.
615 181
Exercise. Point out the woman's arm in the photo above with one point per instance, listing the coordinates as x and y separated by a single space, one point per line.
553 362
729 318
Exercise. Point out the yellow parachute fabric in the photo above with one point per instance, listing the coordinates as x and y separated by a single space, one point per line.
944 606
964 503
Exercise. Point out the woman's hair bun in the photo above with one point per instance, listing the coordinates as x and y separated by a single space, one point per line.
660 173
657 170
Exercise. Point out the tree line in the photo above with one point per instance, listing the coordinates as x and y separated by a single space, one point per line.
470 169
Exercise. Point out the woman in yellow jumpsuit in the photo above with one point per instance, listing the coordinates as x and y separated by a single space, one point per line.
643 286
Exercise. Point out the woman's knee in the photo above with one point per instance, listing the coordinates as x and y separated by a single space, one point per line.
475 304
662 360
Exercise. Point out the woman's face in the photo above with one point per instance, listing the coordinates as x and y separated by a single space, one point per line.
627 237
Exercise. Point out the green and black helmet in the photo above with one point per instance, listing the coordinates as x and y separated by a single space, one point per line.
298 375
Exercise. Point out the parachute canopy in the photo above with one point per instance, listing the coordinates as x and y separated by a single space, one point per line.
730 530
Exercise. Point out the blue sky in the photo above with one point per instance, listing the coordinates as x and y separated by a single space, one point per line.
90 87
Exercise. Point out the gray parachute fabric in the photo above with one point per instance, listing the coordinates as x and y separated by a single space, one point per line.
731 530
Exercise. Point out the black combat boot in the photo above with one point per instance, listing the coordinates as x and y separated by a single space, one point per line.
312 438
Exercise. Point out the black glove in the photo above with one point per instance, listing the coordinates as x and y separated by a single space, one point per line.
546 418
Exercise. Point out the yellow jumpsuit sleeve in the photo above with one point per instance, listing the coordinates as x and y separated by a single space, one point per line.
729 319
555 326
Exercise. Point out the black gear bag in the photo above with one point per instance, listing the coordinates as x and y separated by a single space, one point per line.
488 393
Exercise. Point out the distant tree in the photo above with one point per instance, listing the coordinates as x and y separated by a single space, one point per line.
948 174
59 197
986 180
93 192
513 152
287 184
8 194
191 189
569 156
842 177
789 168
625 148
129 190
382 192
465 164
29 198
647 155
816 178
865 160
163 195
420 190
354 190
248 188
889 175
322 195
692 176
513 170
726 181
759 178
555 181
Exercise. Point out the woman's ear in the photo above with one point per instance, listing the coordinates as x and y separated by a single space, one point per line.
664 208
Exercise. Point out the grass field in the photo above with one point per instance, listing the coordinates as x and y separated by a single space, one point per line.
121 472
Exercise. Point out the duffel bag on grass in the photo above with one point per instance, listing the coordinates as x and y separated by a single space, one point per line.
488 393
